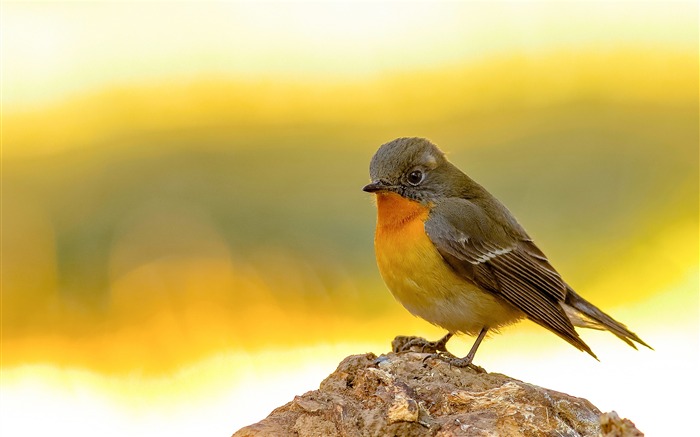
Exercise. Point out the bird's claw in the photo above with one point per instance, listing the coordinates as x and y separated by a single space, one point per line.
454 361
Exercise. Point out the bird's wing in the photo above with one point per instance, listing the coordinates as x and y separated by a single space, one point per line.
480 250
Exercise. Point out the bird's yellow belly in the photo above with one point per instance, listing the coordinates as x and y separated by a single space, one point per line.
418 277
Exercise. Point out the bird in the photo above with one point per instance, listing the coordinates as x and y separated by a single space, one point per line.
454 255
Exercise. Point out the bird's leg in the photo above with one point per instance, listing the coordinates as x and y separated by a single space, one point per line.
404 344
467 361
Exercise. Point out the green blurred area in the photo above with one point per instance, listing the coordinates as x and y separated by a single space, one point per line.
587 179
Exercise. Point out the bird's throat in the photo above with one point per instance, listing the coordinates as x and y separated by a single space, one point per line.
395 211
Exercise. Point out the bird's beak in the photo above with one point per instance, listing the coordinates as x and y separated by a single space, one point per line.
375 186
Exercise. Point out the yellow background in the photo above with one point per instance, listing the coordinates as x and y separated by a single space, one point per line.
185 242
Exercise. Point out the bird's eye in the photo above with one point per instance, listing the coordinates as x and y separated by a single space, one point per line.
415 177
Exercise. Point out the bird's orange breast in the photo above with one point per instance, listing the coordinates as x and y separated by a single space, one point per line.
406 257
418 277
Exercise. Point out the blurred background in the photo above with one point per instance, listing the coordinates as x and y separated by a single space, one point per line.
185 242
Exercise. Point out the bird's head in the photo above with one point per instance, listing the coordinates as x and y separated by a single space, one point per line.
416 169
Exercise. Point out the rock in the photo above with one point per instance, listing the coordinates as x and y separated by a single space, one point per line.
612 426
408 395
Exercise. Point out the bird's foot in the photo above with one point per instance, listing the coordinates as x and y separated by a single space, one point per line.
454 361
403 343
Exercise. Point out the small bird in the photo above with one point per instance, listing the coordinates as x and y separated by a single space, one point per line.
454 255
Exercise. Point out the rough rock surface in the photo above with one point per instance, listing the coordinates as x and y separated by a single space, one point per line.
408 395
611 425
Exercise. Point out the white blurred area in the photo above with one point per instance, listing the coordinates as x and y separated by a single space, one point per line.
54 50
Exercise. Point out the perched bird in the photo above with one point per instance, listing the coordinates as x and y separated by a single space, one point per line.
453 255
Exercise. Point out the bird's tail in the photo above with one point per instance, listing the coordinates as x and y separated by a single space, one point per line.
586 315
